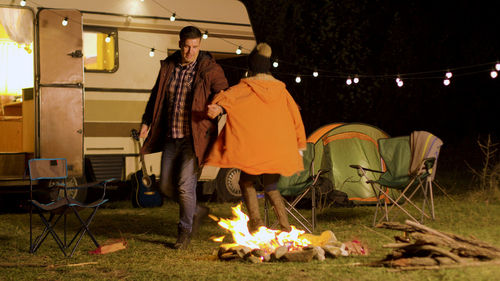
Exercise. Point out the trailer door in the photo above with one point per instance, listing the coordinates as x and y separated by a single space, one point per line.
60 87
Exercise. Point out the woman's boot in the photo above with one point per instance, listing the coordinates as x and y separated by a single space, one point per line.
250 198
276 200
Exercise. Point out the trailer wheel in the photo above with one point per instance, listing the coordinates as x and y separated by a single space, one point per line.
228 188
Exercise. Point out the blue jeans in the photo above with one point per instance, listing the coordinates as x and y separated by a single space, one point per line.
179 176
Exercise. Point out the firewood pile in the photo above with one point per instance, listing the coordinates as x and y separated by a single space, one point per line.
321 247
424 247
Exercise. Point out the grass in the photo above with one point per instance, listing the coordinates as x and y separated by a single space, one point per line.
150 232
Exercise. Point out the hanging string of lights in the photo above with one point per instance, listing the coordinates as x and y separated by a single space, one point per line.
350 79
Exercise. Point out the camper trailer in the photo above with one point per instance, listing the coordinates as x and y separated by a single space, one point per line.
75 77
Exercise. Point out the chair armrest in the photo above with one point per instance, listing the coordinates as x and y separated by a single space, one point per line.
359 167
429 162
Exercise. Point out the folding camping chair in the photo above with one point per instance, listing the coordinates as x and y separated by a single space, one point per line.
411 166
55 170
291 207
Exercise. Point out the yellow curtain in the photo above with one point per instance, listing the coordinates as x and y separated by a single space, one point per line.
16 67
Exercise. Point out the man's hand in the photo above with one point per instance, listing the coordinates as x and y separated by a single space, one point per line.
214 110
144 131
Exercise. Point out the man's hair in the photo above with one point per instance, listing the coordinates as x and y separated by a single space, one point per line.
189 32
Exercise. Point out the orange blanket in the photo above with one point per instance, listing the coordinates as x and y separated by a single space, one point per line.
263 131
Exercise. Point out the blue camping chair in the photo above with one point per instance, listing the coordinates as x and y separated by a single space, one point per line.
55 170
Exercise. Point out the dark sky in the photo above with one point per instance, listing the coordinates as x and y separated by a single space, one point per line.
381 38
376 38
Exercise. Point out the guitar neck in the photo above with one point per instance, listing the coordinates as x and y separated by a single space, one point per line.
143 166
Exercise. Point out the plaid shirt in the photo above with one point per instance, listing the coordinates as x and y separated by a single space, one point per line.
180 93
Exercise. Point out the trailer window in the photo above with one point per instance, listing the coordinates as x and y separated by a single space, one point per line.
16 66
100 49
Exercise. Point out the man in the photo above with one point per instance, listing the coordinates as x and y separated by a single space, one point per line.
175 122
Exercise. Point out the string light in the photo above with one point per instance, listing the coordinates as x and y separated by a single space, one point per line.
142 0
22 3
399 82
348 81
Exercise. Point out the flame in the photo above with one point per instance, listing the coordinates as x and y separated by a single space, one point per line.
264 238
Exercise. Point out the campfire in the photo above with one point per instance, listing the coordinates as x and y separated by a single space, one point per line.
266 244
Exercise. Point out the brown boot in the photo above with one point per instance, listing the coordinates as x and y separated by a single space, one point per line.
276 200
250 198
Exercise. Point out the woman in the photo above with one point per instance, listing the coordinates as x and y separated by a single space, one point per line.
263 136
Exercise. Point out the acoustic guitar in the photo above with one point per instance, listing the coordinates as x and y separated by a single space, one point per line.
143 194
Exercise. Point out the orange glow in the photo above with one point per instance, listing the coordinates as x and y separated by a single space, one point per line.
16 67
265 239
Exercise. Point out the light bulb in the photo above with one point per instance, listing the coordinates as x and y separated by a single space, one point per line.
493 74
497 66
152 52
22 3
107 39
315 74
205 35
449 74
446 82
64 22
356 80
400 83
275 64
397 80
297 79
238 51
172 17
348 81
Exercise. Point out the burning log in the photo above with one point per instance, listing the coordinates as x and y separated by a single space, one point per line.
274 245
424 246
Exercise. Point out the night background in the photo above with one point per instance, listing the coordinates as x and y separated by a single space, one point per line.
377 40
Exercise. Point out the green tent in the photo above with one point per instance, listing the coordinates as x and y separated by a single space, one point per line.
334 147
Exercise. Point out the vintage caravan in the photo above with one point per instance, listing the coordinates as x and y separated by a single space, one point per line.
75 77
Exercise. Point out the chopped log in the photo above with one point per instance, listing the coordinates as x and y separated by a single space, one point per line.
414 261
279 252
462 248
258 253
228 256
396 226
319 253
332 251
495 262
254 259
455 237
299 256
242 251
